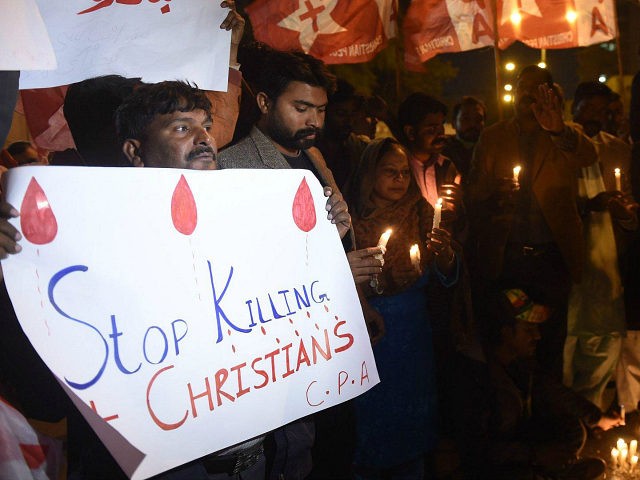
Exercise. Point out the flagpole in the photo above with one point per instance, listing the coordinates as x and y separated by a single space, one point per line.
619 54
497 58
399 59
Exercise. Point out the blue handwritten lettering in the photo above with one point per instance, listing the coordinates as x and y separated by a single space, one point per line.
216 300
52 285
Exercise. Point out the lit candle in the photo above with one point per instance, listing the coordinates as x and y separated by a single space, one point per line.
623 457
621 444
614 457
414 253
437 215
516 173
384 239
633 447
634 462
617 173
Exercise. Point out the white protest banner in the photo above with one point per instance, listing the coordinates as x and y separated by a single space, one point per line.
186 311
152 39
24 41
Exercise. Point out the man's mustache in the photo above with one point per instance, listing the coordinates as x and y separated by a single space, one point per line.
199 151
305 132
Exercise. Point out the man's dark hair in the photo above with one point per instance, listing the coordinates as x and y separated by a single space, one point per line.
470 101
138 110
417 106
414 109
16 148
281 68
89 108
535 69
344 92
588 90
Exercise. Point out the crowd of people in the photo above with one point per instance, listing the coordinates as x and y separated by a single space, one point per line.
495 341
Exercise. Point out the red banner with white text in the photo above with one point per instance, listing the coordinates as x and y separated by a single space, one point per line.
335 31
438 26
556 23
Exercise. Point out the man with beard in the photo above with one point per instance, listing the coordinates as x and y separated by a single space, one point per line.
292 99
468 119
528 231
421 123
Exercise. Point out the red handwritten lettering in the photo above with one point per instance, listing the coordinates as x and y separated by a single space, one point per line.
348 336
193 398
100 4
160 423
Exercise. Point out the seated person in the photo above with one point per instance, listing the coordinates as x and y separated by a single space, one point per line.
513 421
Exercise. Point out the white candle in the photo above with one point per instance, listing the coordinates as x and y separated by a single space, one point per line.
634 462
623 457
516 173
621 444
614 457
633 448
384 238
617 173
414 253
437 215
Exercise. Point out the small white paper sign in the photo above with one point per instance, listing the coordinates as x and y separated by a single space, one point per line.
153 39
186 311
23 36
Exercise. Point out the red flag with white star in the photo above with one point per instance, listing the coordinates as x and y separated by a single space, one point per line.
335 31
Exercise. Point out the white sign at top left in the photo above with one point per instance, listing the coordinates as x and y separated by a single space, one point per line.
153 39
24 43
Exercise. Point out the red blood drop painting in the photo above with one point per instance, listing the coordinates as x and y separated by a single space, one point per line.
37 221
304 212
183 208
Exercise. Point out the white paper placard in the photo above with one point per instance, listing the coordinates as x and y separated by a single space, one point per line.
24 42
153 39
191 309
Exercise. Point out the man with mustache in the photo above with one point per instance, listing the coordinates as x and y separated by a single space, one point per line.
421 122
528 231
468 119
291 95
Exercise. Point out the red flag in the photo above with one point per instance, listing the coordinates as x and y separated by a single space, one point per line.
45 119
556 23
26 454
335 31
438 26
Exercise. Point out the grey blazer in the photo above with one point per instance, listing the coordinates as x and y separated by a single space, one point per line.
258 151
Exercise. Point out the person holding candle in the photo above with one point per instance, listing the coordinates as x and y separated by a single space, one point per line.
396 419
530 233
596 316
590 111
421 122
